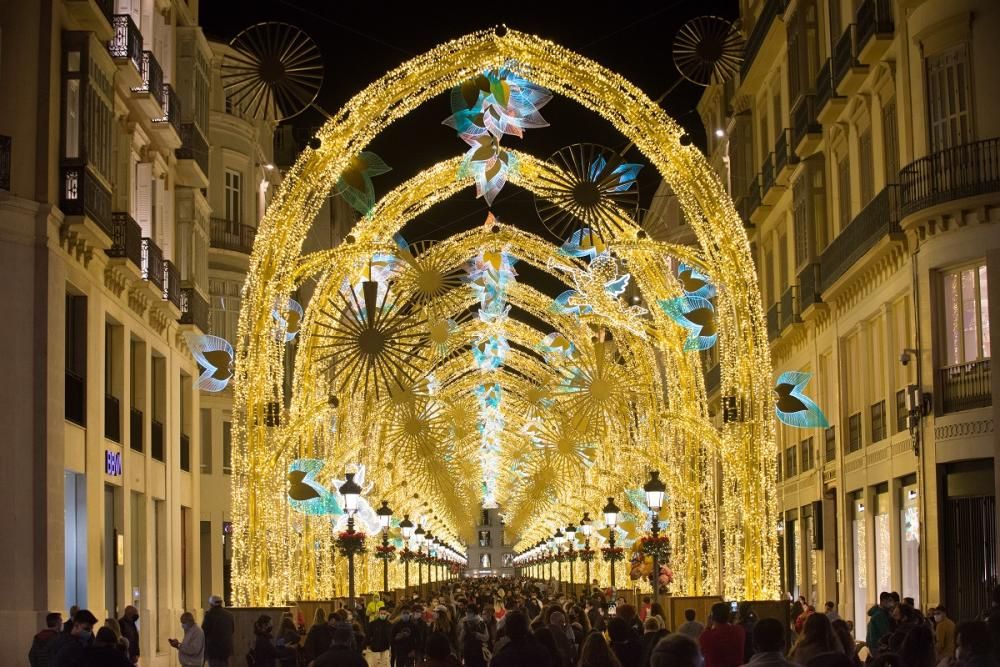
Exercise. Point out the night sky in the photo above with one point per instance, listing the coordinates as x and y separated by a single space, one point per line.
360 44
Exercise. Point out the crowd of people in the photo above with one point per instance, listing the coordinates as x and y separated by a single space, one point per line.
510 622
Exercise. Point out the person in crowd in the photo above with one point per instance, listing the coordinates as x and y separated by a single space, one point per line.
218 627
769 644
677 650
379 639
437 653
69 648
564 638
521 648
656 609
974 645
722 645
879 622
597 612
917 648
817 638
653 632
318 638
887 660
373 606
597 653
287 642
747 621
190 649
800 622
644 608
630 616
403 644
847 643
130 631
831 612
830 660
104 651
797 607
40 653
122 643
624 642
545 637
944 633
474 638
265 653
68 625
342 652
690 627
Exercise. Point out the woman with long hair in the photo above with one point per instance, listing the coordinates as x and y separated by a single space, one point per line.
817 637
597 653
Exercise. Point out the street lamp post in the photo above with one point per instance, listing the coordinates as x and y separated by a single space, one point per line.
429 541
611 521
384 518
586 527
406 528
418 537
655 490
558 540
571 556
352 493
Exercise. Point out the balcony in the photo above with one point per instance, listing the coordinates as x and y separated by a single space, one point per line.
754 201
185 452
83 195
112 418
743 208
92 16
194 309
126 239
806 130
788 314
135 429
770 193
809 281
965 386
876 221
5 150
192 157
126 48
171 284
771 10
964 171
848 72
773 322
226 235
156 440
76 398
785 158
151 267
171 119
149 93
875 30
829 105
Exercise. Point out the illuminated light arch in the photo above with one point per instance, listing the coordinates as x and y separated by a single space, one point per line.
262 565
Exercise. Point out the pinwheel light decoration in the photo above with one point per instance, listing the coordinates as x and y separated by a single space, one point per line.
697 315
793 407
583 243
215 356
556 349
355 183
306 494
288 317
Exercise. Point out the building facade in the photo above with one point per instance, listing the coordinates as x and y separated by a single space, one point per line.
860 147
490 555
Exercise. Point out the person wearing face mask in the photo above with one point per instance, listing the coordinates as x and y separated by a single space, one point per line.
71 648
379 639
130 631
403 645
190 649
944 633
264 651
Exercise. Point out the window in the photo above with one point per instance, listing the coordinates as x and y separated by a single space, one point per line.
485 561
948 98
901 411
806 454
76 359
854 432
485 519
484 538
224 308
234 196
878 421
844 191
791 462
866 169
966 315
830 444
890 140
227 448
803 49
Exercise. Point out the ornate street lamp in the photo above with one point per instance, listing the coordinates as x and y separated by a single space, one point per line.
611 521
384 518
351 492
406 528
655 490
586 527
571 557
558 540
429 541
418 538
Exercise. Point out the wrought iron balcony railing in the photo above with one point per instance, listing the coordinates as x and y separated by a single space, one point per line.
156 440
825 90
151 267
126 239
845 54
193 146
127 42
76 398
771 10
804 120
194 308
784 156
767 174
171 108
789 311
954 173
809 282
875 221
171 283
227 235
152 77
965 386
773 323
135 429
874 17
112 418
83 194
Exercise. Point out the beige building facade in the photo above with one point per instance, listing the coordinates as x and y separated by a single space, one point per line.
861 148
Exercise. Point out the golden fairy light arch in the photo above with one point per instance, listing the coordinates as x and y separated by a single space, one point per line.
276 560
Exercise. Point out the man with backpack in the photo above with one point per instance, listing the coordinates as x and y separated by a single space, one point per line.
473 637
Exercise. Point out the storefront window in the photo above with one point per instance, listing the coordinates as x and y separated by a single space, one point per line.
860 561
883 568
909 528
